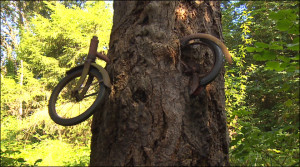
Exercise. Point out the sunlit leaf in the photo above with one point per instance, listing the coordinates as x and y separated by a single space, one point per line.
261 44
273 65
251 49
284 58
274 16
275 47
294 29
284 25
294 46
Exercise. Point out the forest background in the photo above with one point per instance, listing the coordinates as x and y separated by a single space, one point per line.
41 40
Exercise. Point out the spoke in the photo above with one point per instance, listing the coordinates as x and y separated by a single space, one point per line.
79 109
65 111
85 106
70 111
63 105
90 95
66 103
93 84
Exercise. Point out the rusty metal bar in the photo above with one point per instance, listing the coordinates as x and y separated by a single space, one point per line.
87 64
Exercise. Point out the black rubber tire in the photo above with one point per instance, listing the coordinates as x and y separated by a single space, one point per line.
83 116
218 58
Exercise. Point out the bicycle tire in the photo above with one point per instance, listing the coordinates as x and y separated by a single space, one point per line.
86 114
218 58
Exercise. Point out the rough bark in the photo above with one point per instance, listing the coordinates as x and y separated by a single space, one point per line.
149 118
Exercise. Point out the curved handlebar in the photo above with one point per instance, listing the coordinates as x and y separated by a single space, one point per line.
184 41
102 56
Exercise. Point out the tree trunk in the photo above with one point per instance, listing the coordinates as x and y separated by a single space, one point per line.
149 118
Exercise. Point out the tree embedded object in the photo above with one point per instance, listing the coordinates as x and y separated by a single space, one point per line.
149 118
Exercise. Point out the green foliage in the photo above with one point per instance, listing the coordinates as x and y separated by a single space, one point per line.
262 88
53 38
37 137
56 153
49 46
62 41
7 160
9 148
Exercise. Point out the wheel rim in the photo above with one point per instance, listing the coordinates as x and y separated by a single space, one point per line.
218 55
67 106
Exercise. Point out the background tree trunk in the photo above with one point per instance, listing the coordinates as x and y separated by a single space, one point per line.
149 117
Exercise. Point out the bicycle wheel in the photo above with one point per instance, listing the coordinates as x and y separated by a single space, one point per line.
218 54
65 109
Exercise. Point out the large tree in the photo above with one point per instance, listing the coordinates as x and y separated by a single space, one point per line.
149 118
